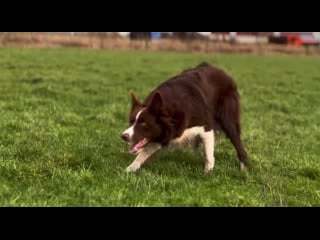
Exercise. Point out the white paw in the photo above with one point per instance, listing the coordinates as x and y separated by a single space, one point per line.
243 167
132 168
208 168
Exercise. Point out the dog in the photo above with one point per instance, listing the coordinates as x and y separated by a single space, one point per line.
186 109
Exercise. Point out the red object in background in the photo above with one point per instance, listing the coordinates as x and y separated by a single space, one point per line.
302 39
294 40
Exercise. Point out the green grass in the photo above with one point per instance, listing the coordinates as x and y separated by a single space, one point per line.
62 112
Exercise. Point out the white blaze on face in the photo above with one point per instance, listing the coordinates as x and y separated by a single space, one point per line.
130 130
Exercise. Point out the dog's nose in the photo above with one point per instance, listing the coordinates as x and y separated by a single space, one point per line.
125 137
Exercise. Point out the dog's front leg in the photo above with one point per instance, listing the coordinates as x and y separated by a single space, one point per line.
146 153
208 141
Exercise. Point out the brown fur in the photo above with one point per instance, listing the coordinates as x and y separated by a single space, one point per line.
201 96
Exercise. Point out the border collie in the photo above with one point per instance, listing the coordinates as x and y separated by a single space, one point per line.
186 109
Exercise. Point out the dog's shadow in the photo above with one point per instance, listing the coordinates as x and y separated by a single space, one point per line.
186 161
175 162
189 163
176 157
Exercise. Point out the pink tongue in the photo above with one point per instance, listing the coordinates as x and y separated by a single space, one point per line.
136 147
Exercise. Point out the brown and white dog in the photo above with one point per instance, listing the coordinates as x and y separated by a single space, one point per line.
187 108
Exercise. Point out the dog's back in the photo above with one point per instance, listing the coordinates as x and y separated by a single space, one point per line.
204 94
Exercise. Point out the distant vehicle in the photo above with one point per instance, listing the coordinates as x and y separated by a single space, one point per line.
296 38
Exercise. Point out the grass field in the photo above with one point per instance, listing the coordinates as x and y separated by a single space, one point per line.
62 112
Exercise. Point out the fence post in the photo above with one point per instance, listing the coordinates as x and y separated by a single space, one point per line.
259 44
207 45
102 38
47 39
306 46
4 38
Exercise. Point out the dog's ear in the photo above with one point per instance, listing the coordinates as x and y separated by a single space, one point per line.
156 103
134 101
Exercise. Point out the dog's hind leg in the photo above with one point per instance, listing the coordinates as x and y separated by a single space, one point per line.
230 123
143 156
208 141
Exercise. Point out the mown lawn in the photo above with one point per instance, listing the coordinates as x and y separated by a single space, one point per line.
62 111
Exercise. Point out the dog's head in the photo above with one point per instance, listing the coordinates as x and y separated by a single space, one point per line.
145 123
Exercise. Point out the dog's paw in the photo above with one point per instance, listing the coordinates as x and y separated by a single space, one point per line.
208 169
132 168
243 167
